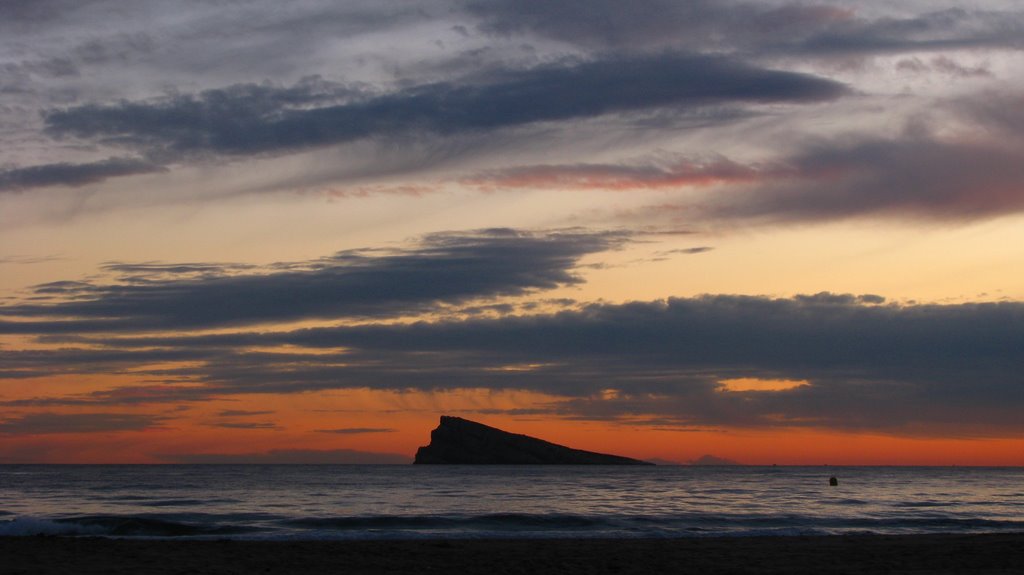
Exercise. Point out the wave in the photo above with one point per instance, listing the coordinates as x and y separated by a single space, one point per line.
120 526
501 521
23 525
935 524
850 502
492 525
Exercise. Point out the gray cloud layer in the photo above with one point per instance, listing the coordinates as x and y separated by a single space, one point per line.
899 369
917 174
804 29
73 175
607 59
250 119
445 268
910 176
913 369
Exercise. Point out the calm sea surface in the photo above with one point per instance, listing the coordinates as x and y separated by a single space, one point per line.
369 502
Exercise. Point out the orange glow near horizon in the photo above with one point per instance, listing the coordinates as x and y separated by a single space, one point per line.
398 422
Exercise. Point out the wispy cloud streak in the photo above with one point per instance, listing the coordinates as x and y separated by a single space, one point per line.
447 268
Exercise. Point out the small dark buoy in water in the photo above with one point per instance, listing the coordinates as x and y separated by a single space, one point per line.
833 481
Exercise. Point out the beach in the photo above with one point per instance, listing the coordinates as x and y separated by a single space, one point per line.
852 554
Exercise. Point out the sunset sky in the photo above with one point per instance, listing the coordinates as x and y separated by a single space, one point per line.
769 231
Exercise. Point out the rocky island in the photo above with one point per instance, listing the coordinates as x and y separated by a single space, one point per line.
461 441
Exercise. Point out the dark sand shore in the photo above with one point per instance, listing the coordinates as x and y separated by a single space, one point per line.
1002 553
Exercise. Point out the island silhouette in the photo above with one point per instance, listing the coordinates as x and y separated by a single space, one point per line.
461 441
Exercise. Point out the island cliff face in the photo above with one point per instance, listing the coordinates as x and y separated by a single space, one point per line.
460 441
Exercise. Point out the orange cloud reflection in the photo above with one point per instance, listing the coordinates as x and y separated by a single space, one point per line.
757 384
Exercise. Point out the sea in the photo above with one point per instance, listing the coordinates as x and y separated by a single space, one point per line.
316 502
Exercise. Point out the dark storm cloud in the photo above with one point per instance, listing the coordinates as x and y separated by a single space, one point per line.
904 369
48 423
444 268
260 119
293 456
802 29
73 175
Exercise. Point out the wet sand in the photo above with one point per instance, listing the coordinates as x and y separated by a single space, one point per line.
851 554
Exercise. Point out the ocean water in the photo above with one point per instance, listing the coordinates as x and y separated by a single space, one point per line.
407 501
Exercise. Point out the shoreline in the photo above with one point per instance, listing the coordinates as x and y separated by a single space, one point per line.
933 553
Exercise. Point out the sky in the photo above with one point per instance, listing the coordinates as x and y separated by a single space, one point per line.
763 230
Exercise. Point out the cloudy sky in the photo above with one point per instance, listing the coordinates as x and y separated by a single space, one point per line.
771 231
